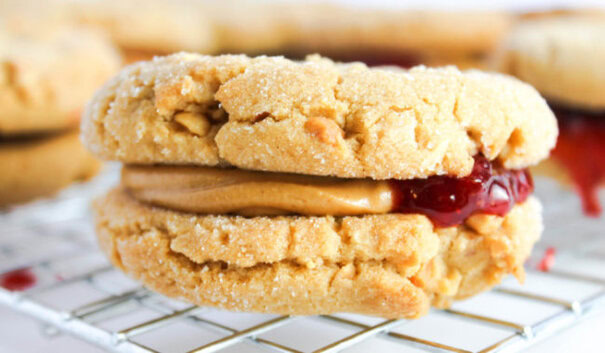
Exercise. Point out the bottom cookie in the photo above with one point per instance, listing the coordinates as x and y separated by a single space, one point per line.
390 265
40 166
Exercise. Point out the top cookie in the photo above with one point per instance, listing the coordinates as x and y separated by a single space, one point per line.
45 79
562 56
316 117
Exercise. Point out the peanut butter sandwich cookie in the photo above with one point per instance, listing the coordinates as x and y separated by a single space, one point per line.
44 82
562 56
269 185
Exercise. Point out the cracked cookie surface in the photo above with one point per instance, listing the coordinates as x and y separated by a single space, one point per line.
388 265
316 117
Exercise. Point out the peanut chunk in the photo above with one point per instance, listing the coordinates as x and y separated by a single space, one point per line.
197 124
325 129
484 223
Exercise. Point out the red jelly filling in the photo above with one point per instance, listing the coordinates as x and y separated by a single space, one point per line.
581 150
448 201
18 280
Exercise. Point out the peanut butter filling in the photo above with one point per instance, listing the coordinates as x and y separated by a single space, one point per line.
249 193
448 201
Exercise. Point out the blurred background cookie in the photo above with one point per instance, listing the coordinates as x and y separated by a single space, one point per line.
295 29
144 28
46 75
562 55
347 33
41 165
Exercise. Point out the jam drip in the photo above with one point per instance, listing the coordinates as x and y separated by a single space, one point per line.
581 150
448 201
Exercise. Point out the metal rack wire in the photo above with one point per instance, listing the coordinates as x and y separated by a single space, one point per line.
79 293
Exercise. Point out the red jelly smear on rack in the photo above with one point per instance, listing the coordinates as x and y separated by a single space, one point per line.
448 201
18 280
581 150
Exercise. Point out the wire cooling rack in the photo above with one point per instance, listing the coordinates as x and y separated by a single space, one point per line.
49 248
